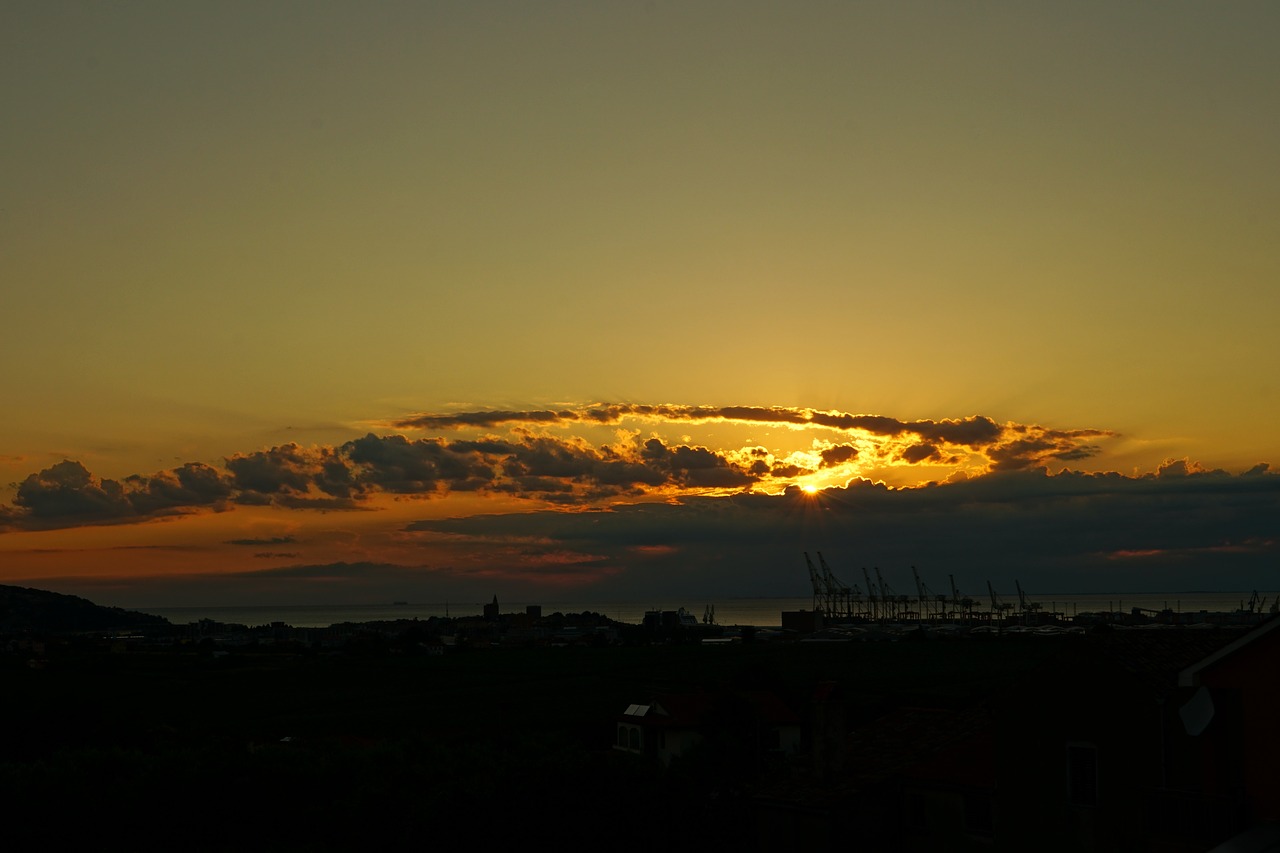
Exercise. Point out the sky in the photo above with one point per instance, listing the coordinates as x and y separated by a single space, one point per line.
333 302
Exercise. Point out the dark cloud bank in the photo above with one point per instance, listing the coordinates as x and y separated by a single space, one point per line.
1177 530
718 533
1067 533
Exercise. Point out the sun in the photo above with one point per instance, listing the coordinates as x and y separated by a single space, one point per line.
809 489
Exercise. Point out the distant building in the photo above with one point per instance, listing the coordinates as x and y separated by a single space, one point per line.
802 621
491 610
654 619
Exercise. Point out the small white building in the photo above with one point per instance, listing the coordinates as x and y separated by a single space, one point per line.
673 723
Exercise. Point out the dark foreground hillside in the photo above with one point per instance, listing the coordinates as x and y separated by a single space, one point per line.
1113 741
266 750
37 610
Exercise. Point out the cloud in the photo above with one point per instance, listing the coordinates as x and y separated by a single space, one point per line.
188 486
557 468
110 548
273 540
1007 446
696 467
973 430
67 489
1027 446
395 464
291 470
838 454
68 492
920 453
1069 532
646 510
361 582
1178 468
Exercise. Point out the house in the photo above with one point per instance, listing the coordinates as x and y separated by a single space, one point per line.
918 778
1167 742
1163 739
1237 694
754 725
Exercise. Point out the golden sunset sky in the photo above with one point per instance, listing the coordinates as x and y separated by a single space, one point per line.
342 301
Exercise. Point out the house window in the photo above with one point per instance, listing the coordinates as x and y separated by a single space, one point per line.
622 736
635 738
1082 774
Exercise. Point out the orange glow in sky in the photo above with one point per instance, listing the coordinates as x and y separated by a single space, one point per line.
486 290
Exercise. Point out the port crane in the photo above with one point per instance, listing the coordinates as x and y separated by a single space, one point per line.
847 598
998 607
928 600
832 598
835 599
920 594
894 605
1027 607
819 590
873 596
958 604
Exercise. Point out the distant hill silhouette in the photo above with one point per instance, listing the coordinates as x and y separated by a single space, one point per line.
25 609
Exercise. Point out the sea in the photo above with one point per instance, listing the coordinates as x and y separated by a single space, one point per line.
760 612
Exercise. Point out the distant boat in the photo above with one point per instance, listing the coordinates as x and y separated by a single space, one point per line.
670 619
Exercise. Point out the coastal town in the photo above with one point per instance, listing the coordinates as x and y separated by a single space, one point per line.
1135 733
